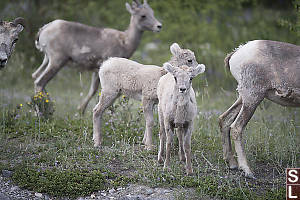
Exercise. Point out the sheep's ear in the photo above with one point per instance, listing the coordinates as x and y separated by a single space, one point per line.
169 68
20 28
128 7
175 49
198 70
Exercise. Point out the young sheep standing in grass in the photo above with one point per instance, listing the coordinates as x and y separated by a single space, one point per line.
177 108
122 76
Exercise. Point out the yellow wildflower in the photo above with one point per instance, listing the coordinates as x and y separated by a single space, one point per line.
46 100
21 105
100 93
123 96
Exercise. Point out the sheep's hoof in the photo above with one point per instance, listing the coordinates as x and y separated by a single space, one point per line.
233 164
249 175
182 158
97 145
160 160
167 168
189 172
149 147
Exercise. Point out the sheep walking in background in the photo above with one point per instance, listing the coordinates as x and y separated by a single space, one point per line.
177 108
62 41
122 76
9 32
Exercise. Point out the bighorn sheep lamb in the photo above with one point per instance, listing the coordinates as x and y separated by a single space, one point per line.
177 108
263 69
62 41
9 32
122 76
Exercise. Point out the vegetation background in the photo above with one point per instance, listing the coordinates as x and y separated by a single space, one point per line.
211 28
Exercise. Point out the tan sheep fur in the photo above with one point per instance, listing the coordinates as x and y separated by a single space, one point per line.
122 76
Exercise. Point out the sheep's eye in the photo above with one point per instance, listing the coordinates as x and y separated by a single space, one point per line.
15 40
175 79
191 79
143 16
190 61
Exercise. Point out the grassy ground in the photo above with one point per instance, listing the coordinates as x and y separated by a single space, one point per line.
57 156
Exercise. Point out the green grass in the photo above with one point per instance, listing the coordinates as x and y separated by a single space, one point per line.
57 156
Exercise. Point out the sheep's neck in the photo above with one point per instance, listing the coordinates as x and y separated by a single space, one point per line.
133 37
180 104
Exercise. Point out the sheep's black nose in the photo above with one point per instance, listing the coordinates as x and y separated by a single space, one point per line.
182 90
159 26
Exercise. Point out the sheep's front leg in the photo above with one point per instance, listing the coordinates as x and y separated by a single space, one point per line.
148 113
169 132
180 136
187 149
106 99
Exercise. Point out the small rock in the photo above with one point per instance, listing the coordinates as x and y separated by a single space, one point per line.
111 191
93 196
6 173
103 194
14 188
148 191
39 195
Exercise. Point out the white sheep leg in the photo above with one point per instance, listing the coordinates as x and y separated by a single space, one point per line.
187 150
106 99
162 136
93 89
169 133
148 113
38 72
180 135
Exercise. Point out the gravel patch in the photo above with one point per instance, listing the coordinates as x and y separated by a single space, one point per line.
9 191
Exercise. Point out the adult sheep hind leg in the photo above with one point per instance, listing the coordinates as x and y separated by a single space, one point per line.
106 99
54 65
249 105
39 71
93 89
225 120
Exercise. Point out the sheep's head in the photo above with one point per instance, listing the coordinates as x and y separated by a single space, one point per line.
8 37
182 56
143 16
183 75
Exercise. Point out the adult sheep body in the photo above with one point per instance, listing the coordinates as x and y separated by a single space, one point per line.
63 41
263 69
